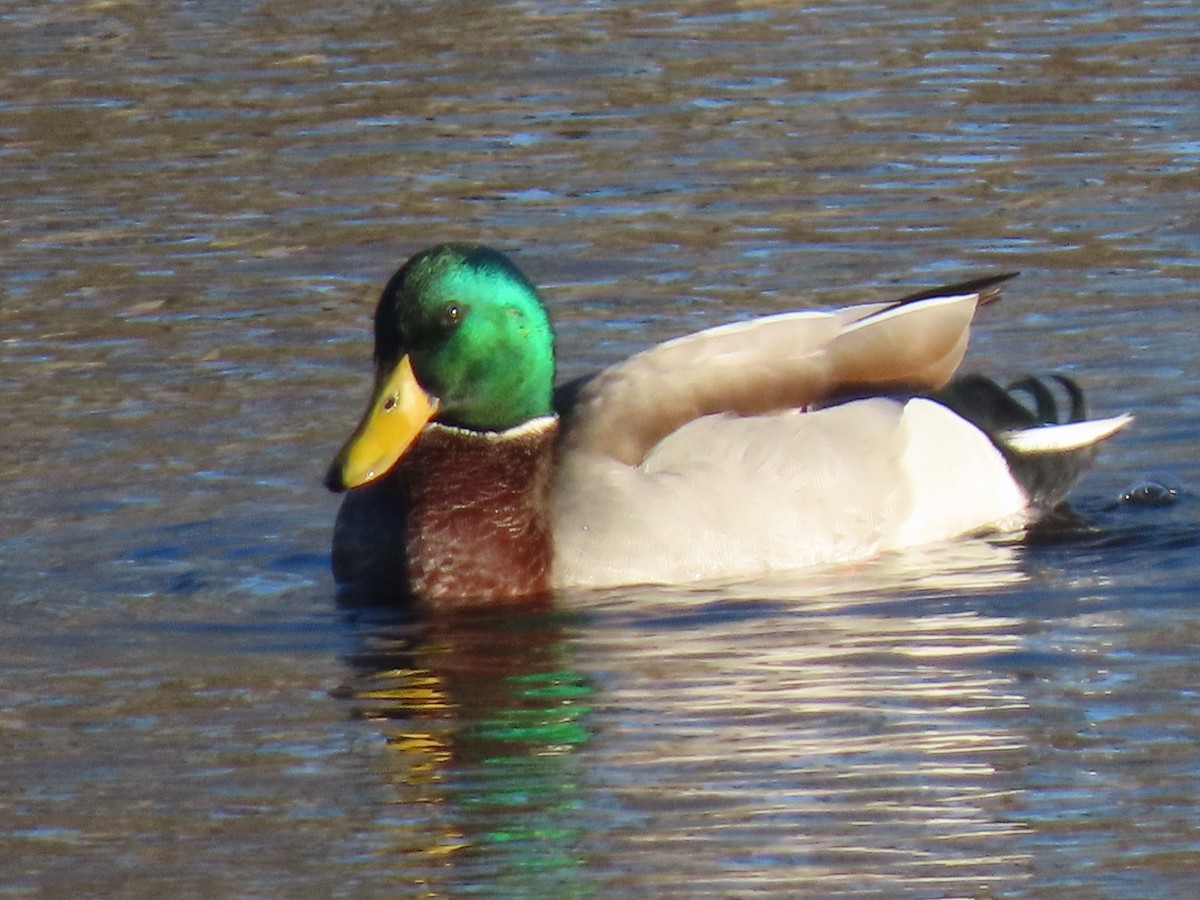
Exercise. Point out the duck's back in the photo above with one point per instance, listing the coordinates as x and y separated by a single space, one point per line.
769 364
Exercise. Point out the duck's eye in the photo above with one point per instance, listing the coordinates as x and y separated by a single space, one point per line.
452 315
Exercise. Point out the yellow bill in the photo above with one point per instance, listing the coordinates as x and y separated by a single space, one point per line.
398 412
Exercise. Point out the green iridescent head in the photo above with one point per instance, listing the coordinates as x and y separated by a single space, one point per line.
476 333
461 338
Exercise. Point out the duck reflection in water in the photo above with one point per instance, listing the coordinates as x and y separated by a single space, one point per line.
482 717
687 733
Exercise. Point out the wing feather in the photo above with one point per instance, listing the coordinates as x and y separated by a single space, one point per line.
786 361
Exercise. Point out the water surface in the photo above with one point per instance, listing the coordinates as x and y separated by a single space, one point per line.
198 205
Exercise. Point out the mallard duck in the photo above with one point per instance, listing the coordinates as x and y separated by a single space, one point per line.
777 443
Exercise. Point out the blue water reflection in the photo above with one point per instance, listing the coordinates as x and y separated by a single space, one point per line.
199 203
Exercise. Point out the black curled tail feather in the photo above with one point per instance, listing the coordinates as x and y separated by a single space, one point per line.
1047 474
1046 404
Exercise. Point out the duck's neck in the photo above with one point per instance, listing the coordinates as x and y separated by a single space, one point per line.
475 512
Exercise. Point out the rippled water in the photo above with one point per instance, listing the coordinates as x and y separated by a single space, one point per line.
198 204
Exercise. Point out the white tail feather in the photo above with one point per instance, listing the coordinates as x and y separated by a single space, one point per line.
1064 438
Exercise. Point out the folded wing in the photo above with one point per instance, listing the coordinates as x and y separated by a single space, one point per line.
780 362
